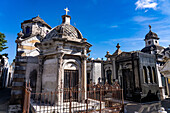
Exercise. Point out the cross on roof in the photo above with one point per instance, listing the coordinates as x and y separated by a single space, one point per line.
66 9
149 27
118 46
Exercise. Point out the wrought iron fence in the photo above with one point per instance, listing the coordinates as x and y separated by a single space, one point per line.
98 98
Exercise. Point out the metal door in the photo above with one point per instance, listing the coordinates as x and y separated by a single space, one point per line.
70 83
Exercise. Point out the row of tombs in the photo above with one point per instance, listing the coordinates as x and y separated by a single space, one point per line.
58 58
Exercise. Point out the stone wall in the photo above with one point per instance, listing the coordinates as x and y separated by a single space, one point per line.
96 72
49 77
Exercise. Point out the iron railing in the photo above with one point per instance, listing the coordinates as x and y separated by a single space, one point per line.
98 98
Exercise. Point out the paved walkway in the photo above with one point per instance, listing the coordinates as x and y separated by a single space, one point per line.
131 107
149 107
166 104
4 99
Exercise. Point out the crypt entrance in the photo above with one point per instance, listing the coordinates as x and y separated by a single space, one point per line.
71 80
63 62
127 83
70 83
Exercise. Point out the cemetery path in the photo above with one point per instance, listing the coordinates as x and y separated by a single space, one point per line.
4 99
148 107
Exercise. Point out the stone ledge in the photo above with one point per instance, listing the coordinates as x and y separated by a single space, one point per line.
18 84
16 92
14 109
17 88
19 75
18 79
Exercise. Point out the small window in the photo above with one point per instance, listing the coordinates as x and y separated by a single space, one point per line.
155 41
149 42
109 74
27 30
46 31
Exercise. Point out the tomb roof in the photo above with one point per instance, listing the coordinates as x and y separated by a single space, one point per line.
36 19
151 35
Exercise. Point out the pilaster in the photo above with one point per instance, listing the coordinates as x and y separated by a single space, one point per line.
60 76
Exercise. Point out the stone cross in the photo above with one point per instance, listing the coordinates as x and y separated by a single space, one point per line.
66 9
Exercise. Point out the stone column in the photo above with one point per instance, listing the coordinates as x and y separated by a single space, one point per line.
120 76
114 68
60 80
148 77
85 77
39 74
167 86
161 88
84 73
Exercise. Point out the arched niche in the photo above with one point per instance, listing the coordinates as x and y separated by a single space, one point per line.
108 73
71 66
150 74
145 74
154 75
72 79
33 80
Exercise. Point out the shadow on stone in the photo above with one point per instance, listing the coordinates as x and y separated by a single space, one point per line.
150 97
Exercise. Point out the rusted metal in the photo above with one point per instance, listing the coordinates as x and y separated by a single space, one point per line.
100 98
27 95
87 103
122 102
70 101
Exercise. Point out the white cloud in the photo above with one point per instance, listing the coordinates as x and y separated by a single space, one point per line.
126 40
165 41
143 19
165 7
146 11
114 26
143 4
127 44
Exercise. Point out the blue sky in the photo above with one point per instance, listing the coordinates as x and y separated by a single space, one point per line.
103 22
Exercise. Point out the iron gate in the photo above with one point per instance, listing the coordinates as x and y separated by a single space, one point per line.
70 82
100 98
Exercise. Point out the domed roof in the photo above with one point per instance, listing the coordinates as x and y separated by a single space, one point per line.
65 30
151 35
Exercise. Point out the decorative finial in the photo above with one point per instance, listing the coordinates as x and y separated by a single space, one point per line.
66 9
150 27
118 46
38 15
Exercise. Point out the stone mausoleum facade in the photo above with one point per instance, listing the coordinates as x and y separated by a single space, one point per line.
50 58
135 71
56 58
